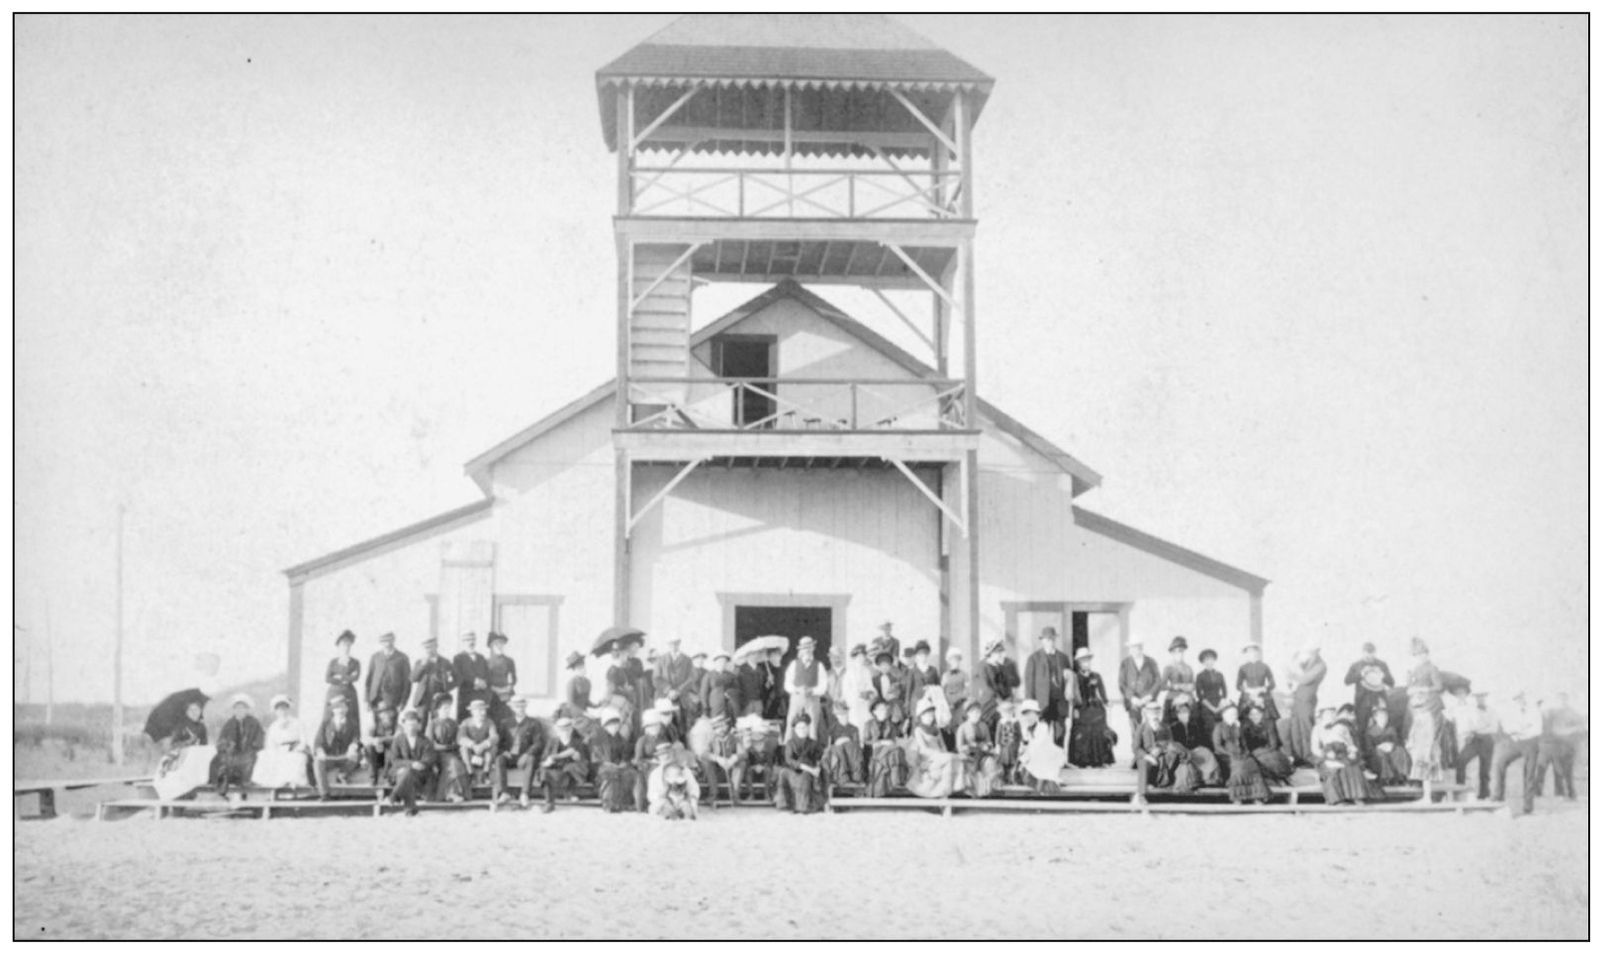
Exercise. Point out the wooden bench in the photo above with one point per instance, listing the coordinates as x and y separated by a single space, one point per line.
46 791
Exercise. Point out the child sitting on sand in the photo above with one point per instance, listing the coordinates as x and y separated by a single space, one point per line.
672 790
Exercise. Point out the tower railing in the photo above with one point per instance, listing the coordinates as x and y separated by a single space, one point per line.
794 404
800 193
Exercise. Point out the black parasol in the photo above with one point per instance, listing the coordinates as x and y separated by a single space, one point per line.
168 715
1451 681
609 638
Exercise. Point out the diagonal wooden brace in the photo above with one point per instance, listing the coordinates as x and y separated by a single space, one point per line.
663 493
926 491
937 287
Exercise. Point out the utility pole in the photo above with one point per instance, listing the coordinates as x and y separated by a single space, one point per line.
50 670
117 651
20 651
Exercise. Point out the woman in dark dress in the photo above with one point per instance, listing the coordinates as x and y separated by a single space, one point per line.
1245 778
1383 752
342 673
1089 743
1262 738
1340 765
1211 690
451 776
887 759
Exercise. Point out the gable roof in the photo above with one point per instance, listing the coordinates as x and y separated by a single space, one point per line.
1084 478
1171 552
439 523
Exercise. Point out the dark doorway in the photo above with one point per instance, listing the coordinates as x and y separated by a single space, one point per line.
790 621
748 356
1080 630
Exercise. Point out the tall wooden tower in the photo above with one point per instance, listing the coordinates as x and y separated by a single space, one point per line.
819 149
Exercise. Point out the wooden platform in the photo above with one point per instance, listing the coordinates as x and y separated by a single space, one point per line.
46 790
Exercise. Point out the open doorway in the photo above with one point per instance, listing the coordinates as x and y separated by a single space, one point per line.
749 356
1103 627
793 622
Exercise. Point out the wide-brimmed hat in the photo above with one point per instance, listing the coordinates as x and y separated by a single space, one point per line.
652 717
608 714
993 644
1178 642
883 655
574 659
496 638
922 646
384 705
720 654
910 651
1030 705
1204 653
806 641
803 717
346 636
1251 646
663 748
279 700
858 650
411 715
1083 652
241 699
925 706
664 706
974 704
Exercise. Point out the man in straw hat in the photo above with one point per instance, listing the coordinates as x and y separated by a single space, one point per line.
390 677
566 761
1139 682
1519 730
410 762
805 684
239 741
432 675
336 750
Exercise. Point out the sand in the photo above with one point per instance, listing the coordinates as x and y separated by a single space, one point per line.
756 873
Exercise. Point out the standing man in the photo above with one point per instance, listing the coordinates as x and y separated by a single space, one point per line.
1139 681
432 676
502 675
1562 730
672 672
1371 687
389 677
1518 737
805 684
473 675
1476 737
1048 670
1305 677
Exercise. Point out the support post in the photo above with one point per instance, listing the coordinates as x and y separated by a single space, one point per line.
293 661
945 624
622 540
625 145
622 334
117 651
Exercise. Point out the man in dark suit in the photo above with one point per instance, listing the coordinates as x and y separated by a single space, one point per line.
1045 682
472 673
524 741
389 677
410 762
432 676
238 744
1140 682
673 679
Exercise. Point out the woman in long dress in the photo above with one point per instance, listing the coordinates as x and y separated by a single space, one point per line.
976 749
1190 731
1040 758
1246 782
1340 764
1383 752
621 690
1424 700
342 674
1089 742
188 761
452 778
1262 738
856 688
284 758
887 760
935 772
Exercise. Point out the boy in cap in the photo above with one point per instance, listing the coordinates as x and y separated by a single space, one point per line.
451 776
389 678
719 689
432 675
477 746
504 675
1008 741
577 688
410 763
726 760
336 750
566 761
799 787
843 759
672 790
377 745
523 744
616 772
239 741
471 673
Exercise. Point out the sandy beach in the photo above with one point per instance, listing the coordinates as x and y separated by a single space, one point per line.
757 873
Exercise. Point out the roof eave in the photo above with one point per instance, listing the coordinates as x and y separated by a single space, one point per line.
1172 552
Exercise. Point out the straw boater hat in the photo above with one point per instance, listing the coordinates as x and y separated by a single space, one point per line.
1083 652
240 699
664 707
1178 642
720 654
477 704
1153 705
925 706
652 717
608 714
563 722
279 700
806 641
387 637
1252 647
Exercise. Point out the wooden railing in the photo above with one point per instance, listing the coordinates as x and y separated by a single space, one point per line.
798 404
802 193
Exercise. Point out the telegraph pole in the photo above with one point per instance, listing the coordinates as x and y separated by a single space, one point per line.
50 670
117 651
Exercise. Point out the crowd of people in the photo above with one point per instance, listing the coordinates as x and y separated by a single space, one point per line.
665 733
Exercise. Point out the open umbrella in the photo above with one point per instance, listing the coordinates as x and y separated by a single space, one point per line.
168 715
606 641
1451 681
761 644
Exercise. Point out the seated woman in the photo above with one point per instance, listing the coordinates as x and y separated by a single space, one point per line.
1262 738
1340 765
1321 722
1383 752
1163 762
1040 758
187 762
844 759
616 771
451 777
283 762
887 758
1189 730
935 772
1089 743
800 784
672 789
1245 780
976 750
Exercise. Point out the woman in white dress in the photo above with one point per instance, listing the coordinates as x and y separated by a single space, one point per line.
857 689
284 757
188 761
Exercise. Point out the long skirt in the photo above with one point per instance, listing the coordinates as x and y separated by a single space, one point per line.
799 791
188 770
887 769
1175 771
982 776
1246 782
1206 766
1344 782
1424 747
1303 715
1091 738
452 778
616 787
1392 767
935 774
1276 766
279 767
843 763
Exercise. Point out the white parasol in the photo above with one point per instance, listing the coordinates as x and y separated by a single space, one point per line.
761 644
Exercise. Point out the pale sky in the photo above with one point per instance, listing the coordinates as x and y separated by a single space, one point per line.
1310 293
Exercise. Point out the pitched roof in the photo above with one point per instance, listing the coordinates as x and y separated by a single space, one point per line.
396 538
1084 478
1171 552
